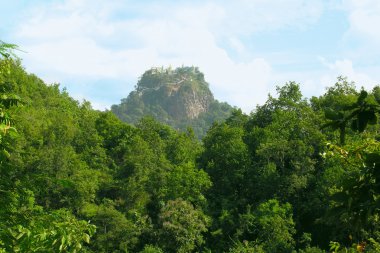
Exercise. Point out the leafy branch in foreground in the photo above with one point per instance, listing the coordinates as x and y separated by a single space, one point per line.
7 99
355 201
6 49
356 114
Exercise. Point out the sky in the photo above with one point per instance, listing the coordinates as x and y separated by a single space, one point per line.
98 49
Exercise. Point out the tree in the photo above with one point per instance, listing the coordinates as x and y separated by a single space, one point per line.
181 226
270 225
151 249
337 104
246 247
25 226
226 160
7 99
58 231
354 199
115 231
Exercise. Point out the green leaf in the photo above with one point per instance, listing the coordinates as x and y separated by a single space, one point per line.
86 238
372 118
340 197
376 93
373 158
363 119
363 95
332 114
333 124
354 125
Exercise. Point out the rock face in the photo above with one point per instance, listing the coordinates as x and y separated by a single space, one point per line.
188 104
196 104
179 98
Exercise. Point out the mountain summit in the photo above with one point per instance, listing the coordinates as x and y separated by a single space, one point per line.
179 97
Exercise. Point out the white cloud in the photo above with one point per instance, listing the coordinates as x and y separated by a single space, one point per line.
237 45
364 17
346 68
248 16
95 40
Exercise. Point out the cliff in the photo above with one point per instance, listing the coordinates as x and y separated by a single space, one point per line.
180 98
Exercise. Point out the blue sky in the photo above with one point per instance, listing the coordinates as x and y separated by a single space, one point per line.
98 49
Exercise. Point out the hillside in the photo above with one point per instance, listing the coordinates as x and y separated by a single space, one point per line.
179 98
294 176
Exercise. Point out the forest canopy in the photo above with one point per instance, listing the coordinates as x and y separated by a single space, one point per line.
294 175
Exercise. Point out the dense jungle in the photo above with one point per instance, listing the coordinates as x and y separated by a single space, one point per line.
297 174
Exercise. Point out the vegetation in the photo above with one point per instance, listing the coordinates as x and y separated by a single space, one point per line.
180 98
296 175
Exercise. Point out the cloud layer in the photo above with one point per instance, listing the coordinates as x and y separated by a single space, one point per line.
81 42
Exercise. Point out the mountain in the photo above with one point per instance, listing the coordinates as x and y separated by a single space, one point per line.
180 98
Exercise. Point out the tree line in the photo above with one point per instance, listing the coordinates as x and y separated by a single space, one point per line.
295 175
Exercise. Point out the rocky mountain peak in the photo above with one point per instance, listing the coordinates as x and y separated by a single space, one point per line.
173 96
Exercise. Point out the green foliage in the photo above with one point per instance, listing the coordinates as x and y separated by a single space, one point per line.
7 50
343 106
181 226
26 227
151 249
312 250
7 98
188 182
372 246
264 182
246 247
354 198
115 231
355 201
180 98
271 224
226 160
58 231
288 150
